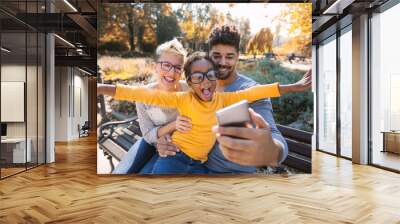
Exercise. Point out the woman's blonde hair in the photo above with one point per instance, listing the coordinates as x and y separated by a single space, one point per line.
172 46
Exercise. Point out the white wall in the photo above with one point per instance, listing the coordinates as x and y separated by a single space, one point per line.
16 73
80 102
61 103
12 73
71 94
34 125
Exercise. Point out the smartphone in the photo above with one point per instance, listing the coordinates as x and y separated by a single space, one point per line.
236 115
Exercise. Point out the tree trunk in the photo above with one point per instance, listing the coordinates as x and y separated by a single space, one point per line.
140 37
131 27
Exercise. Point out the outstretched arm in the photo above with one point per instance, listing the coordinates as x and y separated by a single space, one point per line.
141 94
251 94
302 85
267 90
106 89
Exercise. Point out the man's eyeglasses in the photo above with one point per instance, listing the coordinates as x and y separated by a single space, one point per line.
166 66
198 77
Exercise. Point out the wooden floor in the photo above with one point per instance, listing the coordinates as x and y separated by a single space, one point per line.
70 191
10 171
386 159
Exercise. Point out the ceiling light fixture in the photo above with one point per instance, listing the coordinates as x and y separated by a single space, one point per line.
70 5
86 72
5 50
64 40
337 7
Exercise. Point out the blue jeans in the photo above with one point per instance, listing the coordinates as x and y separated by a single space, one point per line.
137 157
178 164
148 167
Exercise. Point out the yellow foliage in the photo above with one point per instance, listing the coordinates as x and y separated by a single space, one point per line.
195 29
300 17
187 25
166 10
116 68
149 35
261 42
300 30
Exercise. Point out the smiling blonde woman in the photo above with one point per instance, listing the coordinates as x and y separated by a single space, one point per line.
155 121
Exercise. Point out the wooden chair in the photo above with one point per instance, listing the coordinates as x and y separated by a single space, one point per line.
84 130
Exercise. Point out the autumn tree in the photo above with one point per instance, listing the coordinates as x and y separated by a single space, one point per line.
300 29
229 19
167 25
111 26
202 28
196 22
261 42
245 34
119 23
186 22
142 26
137 26
133 18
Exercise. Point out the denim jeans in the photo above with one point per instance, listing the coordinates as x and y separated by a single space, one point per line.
138 155
178 164
148 167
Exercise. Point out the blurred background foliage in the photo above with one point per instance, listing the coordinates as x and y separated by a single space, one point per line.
141 27
128 34
293 109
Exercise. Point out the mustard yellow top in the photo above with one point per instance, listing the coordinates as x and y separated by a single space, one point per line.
198 142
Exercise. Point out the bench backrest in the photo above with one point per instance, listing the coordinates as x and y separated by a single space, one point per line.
299 144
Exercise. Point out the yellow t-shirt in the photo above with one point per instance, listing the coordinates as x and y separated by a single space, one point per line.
198 142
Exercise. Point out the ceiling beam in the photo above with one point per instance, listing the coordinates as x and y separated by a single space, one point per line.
77 61
320 23
200 1
337 7
89 30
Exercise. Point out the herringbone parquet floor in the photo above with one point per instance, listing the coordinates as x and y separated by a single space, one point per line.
69 191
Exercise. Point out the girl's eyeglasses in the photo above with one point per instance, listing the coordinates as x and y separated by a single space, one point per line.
198 77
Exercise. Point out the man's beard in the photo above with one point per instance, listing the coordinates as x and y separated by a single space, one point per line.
226 74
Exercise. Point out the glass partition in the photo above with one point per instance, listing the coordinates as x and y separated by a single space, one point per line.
327 96
31 98
346 93
22 67
41 86
14 153
385 89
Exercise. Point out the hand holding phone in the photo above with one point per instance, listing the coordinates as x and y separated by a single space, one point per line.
236 115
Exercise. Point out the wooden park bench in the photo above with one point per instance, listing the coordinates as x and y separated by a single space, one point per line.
117 137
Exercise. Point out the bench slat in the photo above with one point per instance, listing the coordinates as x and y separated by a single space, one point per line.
124 143
299 135
113 148
298 162
299 147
